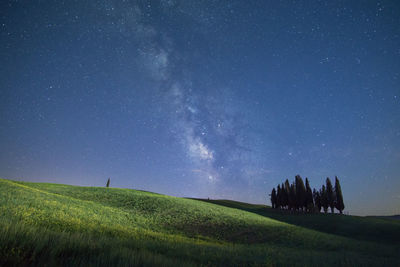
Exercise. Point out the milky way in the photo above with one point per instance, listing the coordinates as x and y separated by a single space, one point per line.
205 121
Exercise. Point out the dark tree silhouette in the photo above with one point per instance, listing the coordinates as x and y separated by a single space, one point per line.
324 199
278 197
330 194
317 200
284 196
300 193
273 198
292 197
297 196
108 183
339 204
309 197
287 193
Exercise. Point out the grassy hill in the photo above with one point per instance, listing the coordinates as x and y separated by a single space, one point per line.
53 224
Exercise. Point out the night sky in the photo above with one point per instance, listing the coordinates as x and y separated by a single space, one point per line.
219 99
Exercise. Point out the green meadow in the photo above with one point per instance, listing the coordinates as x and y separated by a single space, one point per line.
45 224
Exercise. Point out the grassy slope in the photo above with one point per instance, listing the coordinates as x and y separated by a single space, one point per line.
361 228
68 225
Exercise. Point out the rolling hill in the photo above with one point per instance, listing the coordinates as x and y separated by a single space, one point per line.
53 224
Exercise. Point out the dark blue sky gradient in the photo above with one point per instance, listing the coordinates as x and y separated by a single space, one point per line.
219 99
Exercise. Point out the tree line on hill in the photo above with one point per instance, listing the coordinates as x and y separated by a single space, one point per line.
299 197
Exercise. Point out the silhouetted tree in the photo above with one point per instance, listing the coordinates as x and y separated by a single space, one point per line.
278 197
309 197
297 196
292 197
273 198
108 183
284 196
287 194
339 204
330 195
317 200
300 193
324 199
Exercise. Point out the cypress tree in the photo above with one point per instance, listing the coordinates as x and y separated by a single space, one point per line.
284 196
297 196
296 190
287 192
324 199
108 183
309 197
278 197
273 198
292 197
330 194
339 204
317 200
300 193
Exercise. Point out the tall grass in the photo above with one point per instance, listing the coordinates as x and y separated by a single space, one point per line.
50 224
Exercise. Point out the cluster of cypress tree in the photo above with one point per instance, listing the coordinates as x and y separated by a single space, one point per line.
299 197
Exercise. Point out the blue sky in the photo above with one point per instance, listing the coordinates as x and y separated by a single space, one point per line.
219 99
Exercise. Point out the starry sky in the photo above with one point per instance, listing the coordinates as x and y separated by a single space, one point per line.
220 99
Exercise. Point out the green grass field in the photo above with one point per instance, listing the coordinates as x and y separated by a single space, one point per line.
52 224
